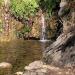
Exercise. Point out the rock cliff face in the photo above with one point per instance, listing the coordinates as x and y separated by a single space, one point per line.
7 27
36 27
62 51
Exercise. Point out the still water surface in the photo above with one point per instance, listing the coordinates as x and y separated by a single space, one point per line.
21 52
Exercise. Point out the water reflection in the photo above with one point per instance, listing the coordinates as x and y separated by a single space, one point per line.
22 52
44 45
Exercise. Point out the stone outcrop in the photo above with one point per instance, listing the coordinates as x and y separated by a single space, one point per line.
40 68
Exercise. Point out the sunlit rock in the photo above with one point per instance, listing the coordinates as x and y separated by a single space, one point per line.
34 65
5 68
5 65
50 67
43 70
47 70
19 73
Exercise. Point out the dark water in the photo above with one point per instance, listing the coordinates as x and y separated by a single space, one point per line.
21 52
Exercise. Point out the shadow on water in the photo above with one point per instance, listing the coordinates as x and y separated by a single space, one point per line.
21 52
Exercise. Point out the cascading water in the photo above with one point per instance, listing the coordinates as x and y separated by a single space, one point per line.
43 29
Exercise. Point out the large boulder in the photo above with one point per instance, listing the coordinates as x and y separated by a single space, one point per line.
40 68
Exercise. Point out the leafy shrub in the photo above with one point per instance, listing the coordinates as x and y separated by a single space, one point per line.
49 5
23 8
26 8
26 29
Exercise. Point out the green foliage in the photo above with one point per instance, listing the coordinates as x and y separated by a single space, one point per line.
49 5
26 8
26 29
23 8
24 32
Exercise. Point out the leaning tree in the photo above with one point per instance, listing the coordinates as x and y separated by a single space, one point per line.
62 51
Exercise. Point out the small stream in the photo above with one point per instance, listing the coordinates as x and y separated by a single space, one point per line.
21 52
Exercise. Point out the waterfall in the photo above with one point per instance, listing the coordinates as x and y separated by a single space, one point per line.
43 29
